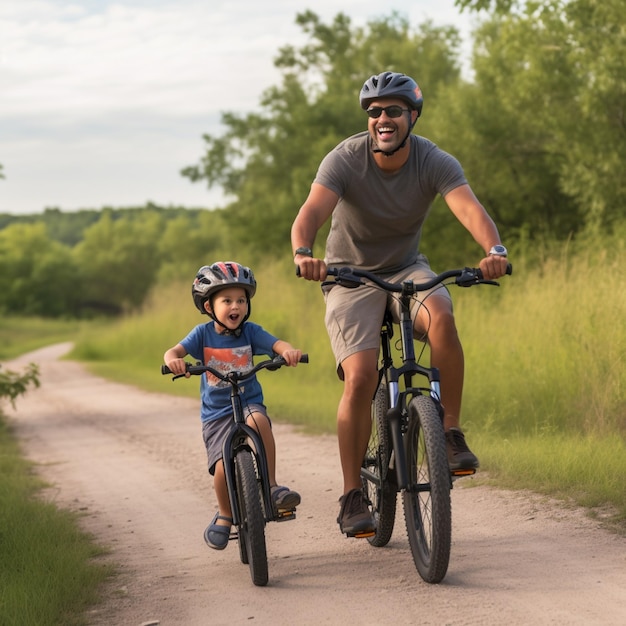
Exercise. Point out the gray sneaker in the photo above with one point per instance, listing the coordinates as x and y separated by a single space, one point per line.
460 457
354 515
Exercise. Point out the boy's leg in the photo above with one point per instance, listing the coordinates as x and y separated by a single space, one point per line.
282 497
221 493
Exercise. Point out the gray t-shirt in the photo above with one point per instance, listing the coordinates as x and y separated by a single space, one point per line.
377 223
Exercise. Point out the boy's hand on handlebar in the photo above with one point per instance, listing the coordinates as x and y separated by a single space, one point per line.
292 357
178 367
493 266
310 268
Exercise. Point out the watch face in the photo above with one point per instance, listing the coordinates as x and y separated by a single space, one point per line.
498 250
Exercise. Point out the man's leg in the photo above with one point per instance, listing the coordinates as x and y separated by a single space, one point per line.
354 414
447 355
353 432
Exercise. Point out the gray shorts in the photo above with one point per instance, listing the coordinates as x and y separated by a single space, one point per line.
354 316
214 433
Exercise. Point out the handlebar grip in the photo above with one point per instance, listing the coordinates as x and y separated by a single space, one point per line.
298 274
304 358
509 269
165 370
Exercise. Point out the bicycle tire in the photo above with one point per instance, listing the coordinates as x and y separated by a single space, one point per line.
252 521
427 509
381 493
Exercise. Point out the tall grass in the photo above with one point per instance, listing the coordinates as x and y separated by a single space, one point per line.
545 353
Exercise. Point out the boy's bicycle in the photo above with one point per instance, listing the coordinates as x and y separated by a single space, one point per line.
407 451
245 465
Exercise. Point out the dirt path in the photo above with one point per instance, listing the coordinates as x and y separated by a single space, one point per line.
134 463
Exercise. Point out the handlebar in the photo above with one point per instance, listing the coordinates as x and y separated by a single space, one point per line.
351 277
232 377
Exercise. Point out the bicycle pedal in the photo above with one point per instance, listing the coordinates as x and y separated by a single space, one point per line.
284 515
460 473
364 535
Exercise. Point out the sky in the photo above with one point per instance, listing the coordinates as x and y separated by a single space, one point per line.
102 103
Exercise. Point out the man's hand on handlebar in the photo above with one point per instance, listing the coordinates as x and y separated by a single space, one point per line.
493 266
310 268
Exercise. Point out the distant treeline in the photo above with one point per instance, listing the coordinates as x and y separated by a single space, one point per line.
86 263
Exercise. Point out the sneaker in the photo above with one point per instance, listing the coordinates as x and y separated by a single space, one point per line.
354 515
460 457
284 499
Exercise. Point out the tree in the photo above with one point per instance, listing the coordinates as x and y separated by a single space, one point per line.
38 274
266 161
555 70
191 240
119 261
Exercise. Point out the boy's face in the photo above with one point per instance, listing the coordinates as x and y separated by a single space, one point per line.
230 306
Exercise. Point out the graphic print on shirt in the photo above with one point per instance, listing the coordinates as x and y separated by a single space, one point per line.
226 360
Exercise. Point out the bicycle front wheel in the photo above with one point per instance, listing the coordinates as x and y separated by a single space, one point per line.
378 484
252 521
427 498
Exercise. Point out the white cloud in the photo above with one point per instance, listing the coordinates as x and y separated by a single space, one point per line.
103 102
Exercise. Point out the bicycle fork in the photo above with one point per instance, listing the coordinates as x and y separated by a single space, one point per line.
236 439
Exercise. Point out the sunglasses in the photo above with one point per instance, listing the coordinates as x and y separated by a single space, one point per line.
392 111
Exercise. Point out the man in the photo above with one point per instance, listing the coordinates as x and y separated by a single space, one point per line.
378 186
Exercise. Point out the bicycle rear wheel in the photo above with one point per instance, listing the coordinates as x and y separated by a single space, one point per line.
378 485
252 521
427 498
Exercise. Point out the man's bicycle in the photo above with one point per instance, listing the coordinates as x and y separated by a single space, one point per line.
247 478
407 451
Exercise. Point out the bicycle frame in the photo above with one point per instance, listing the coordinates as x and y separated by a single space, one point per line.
396 413
352 278
240 434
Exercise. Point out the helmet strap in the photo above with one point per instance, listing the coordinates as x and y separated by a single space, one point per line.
392 152
236 332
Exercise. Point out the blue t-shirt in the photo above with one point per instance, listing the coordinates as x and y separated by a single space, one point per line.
226 353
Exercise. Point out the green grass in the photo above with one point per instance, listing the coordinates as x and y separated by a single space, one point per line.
49 571
587 471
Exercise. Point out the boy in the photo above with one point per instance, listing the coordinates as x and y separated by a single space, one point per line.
223 292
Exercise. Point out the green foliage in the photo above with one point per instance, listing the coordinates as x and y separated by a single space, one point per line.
38 274
498 6
540 130
119 257
13 384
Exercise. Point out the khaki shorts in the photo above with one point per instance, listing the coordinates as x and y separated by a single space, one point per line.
354 316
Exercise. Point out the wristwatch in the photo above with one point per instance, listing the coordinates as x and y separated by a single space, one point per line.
304 252
498 250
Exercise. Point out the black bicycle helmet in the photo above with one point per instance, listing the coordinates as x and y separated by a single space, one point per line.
392 85
211 278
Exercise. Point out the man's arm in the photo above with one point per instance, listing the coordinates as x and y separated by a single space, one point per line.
474 217
316 209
